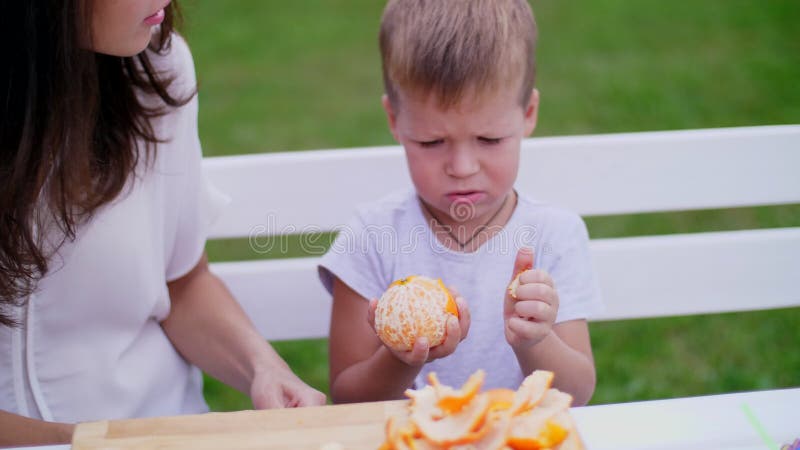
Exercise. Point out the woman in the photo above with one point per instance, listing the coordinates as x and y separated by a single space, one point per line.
106 299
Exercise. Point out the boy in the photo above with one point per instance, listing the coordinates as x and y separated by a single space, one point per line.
459 79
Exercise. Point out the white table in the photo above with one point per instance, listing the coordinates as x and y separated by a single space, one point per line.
708 422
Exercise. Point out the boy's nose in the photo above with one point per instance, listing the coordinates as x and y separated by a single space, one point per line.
462 162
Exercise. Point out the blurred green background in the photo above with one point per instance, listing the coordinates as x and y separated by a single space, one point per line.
283 76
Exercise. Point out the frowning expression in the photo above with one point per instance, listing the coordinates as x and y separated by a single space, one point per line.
464 155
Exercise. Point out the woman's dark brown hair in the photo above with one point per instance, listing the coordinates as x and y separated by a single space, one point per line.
70 120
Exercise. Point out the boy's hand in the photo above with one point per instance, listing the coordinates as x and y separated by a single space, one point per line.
457 328
529 318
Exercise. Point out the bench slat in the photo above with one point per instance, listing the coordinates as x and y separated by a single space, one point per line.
653 276
284 193
672 275
284 297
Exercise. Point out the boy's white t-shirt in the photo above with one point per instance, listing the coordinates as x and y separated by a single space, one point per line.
390 239
90 346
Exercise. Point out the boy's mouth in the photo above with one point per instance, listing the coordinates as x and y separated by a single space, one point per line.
465 196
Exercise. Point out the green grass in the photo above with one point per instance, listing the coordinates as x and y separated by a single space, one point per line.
684 356
282 76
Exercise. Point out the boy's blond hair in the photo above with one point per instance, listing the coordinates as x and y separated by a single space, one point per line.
454 48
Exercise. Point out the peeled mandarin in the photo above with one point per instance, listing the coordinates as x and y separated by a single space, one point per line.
411 308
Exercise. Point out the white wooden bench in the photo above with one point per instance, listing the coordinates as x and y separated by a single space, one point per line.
613 174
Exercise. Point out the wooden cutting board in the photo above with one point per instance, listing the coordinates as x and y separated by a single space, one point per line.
354 427
359 426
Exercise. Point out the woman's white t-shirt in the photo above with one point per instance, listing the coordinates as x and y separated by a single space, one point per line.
90 346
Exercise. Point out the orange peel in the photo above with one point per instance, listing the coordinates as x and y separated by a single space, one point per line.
400 434
468 425
549 436
531 391
512 287
501 398
453 400
535 428
495 439
536 416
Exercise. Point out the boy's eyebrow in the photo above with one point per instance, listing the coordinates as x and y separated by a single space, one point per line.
426 137
500 130
426 130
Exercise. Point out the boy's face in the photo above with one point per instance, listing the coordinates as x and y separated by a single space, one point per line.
463 160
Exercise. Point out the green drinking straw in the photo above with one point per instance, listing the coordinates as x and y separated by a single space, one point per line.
772 445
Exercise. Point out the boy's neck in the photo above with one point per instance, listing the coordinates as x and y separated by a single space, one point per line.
467 236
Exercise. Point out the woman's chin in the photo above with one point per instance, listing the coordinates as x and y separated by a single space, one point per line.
128 47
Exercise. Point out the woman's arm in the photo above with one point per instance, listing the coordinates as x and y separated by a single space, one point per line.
18 430
210 329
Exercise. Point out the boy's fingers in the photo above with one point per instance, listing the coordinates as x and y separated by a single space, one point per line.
464 317
536 276
454 328
419 352
534 309
463 311
523 262
450 342
521 327
453 333
371 312
536 291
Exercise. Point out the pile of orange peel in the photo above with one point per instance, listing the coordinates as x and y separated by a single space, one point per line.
535 416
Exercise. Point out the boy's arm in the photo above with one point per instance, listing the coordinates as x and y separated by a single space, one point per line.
540 343
18 430
566 351
361 367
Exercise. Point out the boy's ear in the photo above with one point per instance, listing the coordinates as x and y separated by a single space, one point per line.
532 112
391 116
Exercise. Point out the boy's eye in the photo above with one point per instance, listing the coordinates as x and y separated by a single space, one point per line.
490 141
433 143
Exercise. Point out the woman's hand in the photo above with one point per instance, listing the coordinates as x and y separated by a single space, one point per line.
280 388
456 330
529 317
